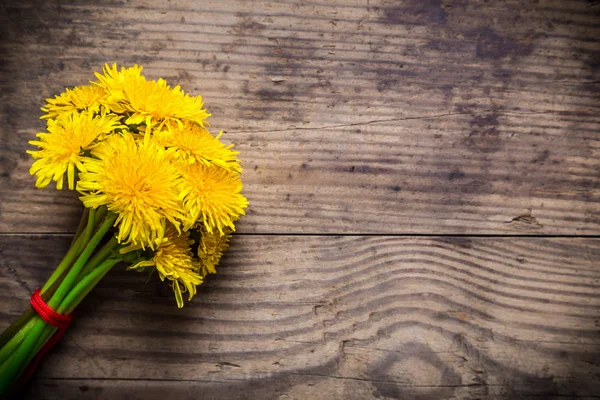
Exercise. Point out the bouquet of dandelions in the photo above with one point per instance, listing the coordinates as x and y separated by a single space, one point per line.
159 192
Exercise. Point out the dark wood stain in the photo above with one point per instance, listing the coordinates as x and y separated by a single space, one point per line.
415 12
490 45
484 136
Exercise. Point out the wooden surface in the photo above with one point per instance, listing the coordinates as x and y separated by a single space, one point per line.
424 181
333 317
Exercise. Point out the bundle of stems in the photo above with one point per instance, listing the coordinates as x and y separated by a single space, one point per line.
93 252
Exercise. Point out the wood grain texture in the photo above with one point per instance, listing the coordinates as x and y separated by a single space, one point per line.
423 117
332 317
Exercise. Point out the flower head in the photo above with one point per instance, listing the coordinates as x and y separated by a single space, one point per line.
61 149
136 181
210 250
153 103
173 259
88 97
211 195
114 82
193 143
156 104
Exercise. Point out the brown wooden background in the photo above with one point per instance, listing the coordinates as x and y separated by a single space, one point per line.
424 180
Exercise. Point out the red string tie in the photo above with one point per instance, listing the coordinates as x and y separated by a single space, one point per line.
53 318
50 316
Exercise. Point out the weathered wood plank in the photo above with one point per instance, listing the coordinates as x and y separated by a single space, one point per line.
285 386
417 117
374 316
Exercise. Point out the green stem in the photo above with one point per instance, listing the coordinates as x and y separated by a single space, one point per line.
3 369
101 213
69 280
82 237
16 326
100 256
89 229
46 334
15 364
82 225
66 262
83 287
10 346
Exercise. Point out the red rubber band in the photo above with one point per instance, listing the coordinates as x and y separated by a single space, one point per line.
53 318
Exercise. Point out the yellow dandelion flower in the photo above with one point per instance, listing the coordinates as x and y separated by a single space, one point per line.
151 102
88 97
135 180
210 250
61 150
211 195
156 104
193 143
114 83
173 259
